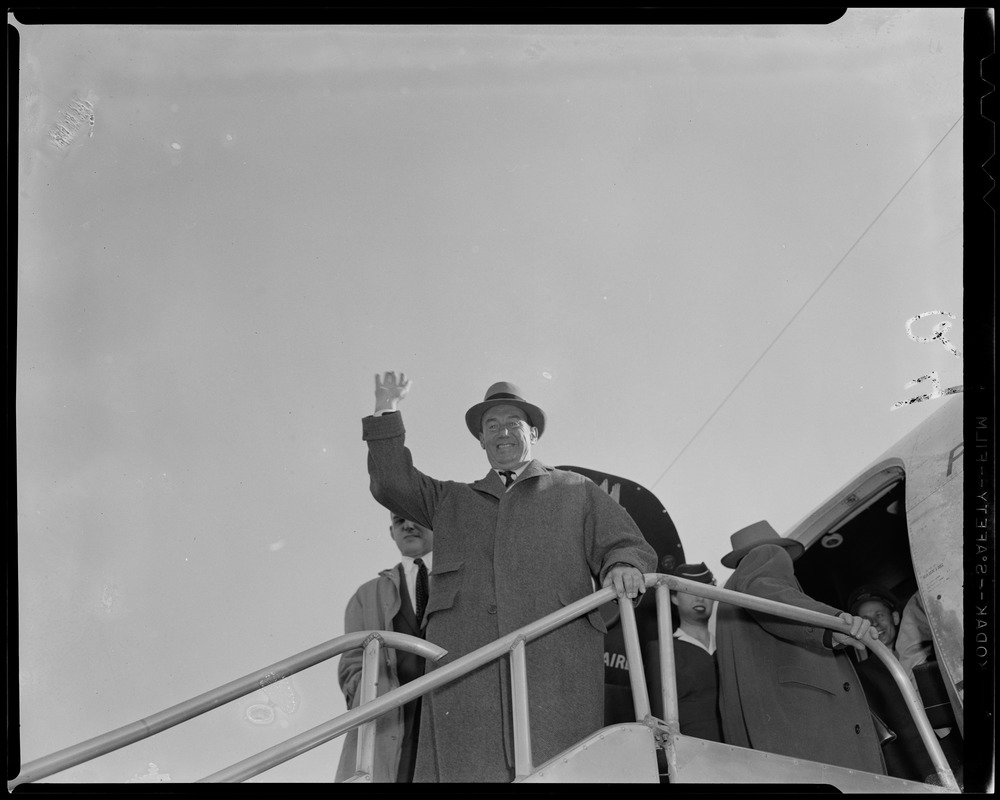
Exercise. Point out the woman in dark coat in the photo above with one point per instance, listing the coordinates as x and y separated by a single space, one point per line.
694 658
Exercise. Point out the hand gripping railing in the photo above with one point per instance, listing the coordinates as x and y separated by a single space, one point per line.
129 734
665 583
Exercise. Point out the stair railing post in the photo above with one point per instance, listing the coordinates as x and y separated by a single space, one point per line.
633 655
668 676
668 668
365 763
519 707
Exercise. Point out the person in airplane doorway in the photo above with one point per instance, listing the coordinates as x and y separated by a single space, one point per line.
905 754
394 601
787 687
521 542
694 658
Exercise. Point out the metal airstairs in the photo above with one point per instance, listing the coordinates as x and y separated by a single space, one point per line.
622 753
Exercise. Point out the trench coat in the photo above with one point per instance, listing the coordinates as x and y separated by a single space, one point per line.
781 688
503 559
372 607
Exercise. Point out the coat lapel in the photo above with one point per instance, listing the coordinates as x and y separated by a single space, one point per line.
535 469
491 484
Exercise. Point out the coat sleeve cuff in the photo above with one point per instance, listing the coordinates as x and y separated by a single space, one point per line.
385 426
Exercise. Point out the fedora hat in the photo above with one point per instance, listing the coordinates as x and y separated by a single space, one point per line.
746 539
503 393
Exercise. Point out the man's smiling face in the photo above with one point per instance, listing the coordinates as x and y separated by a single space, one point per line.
882 618
507 437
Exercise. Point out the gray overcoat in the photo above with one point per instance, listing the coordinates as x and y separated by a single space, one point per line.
503 559
781 689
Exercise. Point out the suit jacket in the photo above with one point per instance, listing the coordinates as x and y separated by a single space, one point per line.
780 689
372 607
502 559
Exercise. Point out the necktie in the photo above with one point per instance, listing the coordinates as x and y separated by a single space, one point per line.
421 588
508 477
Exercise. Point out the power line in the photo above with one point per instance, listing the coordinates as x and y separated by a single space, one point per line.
804 304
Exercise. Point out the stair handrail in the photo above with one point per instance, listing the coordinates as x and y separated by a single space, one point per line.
504 646
104 743
511 644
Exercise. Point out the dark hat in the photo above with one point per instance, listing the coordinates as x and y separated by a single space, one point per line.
746 539
695 572
503 393
871 591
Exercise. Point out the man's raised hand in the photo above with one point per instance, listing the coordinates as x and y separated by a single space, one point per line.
389 391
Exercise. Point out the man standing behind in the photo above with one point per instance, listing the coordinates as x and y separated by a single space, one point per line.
521 542
783 686
394 601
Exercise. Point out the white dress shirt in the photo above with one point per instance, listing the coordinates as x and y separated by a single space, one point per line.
517 473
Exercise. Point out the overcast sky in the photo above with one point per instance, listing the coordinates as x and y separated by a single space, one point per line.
225 233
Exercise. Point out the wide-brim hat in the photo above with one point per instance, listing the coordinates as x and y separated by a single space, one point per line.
695 572
871 591
503 393
746 539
